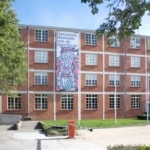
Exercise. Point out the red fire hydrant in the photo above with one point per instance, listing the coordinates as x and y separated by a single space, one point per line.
71 131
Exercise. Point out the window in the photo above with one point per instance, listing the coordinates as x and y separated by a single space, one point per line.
135 101
135 81
91 101
41 35
114 80
135 42
114 60
91 59
20 31
148 43
41 78
66 102
114 42
41 56
135 62
91 79
148 62
114 99
14 102
91 39
41 101
148 78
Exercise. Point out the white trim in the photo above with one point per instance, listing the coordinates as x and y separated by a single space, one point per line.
41 49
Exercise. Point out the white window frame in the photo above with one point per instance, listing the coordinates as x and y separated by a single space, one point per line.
41 35
14 102
135 81
135 61
41 102
91 39
41 56
112 78
67 102
135 101
112 101
114 41
91 79
41 78
91 59
91 101
114 60
135 42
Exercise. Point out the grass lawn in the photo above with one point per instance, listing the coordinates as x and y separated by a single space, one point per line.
98 123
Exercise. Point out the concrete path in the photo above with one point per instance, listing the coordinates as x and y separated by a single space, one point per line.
99 139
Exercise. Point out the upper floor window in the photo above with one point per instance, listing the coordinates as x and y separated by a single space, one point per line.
41 56
91 79
148 62
41 101
67 102
91 39
135 62
41 35
91 59
135 101
20 31
135 81
114 42
135 42
114 101
91 101
41 78
114 60
14 102
148 43
114 80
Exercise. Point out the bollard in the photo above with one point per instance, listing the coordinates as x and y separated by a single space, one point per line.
71 129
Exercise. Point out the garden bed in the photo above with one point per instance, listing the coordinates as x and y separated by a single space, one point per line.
54 130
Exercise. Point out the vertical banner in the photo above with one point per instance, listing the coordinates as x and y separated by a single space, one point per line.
67 61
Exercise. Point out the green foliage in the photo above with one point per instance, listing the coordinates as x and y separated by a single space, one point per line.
128 147
145 147
122 147
144 116
97 123
124 16
55 128
12 51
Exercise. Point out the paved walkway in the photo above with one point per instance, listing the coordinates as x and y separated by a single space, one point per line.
99 139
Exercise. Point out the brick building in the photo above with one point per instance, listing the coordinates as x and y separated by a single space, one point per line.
74 75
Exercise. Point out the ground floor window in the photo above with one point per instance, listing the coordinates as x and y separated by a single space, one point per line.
112 99
14 102
135 101
66 102
91 101
41 101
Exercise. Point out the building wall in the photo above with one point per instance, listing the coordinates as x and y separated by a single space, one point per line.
103 70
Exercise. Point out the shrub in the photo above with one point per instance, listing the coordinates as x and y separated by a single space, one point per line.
143 116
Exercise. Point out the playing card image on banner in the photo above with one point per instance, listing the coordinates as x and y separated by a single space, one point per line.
67 61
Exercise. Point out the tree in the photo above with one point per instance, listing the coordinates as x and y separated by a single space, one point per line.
124 16
13 66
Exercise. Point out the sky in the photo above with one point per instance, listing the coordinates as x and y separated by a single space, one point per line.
65 13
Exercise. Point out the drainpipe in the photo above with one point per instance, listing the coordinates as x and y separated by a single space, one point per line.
28 44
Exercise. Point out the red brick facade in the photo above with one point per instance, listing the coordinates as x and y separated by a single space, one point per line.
102 69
